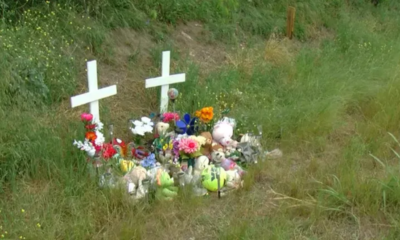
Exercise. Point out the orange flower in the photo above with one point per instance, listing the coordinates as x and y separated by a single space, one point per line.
205 114
91 136
198 114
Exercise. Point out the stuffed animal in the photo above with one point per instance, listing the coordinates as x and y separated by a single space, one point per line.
233 179
228 164
186 175
223 132
134 180
217 155
165 186
206 149
232 153
161 128
200 164
165 157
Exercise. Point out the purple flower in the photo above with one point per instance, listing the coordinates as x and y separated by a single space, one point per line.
175 148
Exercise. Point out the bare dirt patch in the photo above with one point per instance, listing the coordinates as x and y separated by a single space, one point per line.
191 39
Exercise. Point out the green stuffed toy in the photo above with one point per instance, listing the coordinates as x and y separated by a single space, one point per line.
165 186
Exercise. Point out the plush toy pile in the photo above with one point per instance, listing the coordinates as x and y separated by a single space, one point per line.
172 151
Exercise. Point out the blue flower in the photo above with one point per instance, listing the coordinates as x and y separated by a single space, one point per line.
187 125
149 162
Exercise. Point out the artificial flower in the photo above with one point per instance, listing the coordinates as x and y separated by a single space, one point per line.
86 117
99 138
99 125
142 127
187 125
170 116
91 136
206 114
90 126
108 151
168 146
126 165
188 145
149 162
86 146
175 148
147 124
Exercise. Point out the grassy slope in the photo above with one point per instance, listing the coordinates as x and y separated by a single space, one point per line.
328 99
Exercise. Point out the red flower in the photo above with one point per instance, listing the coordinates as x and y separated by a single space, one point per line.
108 151
97 147
90 126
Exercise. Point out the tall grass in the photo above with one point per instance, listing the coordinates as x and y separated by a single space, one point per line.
328 99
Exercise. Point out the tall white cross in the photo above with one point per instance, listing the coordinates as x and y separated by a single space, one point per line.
94 94
165 80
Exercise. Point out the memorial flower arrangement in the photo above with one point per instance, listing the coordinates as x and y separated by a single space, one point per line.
94 138
193 149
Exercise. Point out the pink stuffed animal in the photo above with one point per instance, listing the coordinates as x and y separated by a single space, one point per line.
223 132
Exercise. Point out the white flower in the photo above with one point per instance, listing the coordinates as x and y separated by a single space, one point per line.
100 138
147 120
91 152
138 130
99 125
142 127
85 146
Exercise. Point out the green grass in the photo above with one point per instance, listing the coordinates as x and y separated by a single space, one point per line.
328 99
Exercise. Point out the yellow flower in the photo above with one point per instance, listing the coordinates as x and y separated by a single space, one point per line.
168 146
22 210
126 165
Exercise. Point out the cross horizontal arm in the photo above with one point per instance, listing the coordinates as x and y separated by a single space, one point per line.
160 81
93 96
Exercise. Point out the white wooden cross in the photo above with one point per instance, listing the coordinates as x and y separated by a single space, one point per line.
94 94
165 80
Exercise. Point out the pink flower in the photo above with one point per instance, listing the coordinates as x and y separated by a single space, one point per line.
169 116
188 145
86 117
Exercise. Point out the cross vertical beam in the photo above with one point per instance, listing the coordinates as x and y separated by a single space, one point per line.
165 80
95 94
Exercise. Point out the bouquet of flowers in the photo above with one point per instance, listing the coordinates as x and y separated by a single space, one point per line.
94 138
